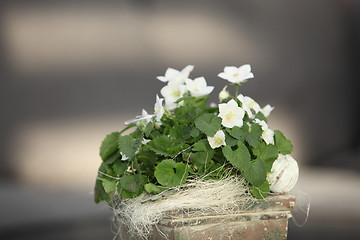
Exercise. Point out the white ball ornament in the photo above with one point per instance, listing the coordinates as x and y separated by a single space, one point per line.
284 174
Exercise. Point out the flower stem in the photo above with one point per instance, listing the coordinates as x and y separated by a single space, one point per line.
236 90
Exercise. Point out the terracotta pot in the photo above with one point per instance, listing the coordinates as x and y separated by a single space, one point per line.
265 219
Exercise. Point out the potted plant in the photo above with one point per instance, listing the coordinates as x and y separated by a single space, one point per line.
192 164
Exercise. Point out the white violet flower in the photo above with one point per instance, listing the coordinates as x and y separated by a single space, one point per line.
267 110
198 87
267 134
224 94
123 157
218 140
144 118
249 104
231 114
158 108
237 75
172 92
173 74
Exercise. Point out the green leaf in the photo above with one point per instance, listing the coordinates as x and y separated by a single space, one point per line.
132 183
201 161
256 173
267 153
119 167
109 145
182 132
149 127
165 146
186 114
261 116
254 137
283 144
152 188
109 186
127 145
99 192
239 133
200 146
169 173
240 158
230 141
115 156
194 132
261 191
208 123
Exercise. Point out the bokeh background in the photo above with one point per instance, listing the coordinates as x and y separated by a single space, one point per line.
73 71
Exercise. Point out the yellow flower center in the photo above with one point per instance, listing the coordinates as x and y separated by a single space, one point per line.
236 75
229 116
176 93
218 141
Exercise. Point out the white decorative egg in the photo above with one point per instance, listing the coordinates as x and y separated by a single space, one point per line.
284 174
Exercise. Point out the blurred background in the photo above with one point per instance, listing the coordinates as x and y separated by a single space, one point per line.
74 71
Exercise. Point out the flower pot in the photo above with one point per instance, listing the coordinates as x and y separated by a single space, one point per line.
264 219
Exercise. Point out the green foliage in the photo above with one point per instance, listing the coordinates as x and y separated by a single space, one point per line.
170 173
240 158
109 145
284 145
159 155
208 123
261 191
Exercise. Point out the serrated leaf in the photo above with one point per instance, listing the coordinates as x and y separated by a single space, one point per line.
119 167
165 146
132 183
230 141
180 132
283 144
240 158
268 153
239 133
127 146
261 191
208 123
149 127
254 136
99 192
194 132
170 173
104 168
199 147
256 173
109 186
111 159
152 188
109 145
261 116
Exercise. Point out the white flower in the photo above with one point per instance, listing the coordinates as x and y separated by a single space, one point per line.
249 104
267 134
218 140
145 141
144 118
173 74
267 110
224 94
237 75
158 108
198 87
172 92
231 114
123 157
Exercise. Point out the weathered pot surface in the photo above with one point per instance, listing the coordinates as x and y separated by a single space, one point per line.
265 219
